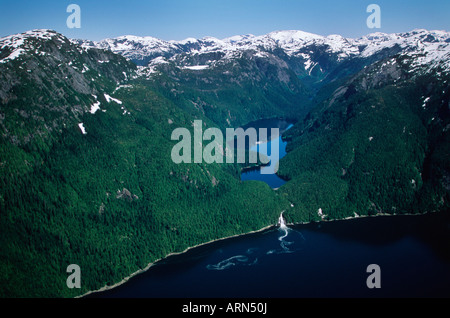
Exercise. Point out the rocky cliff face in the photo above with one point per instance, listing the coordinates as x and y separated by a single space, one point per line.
79 120
310 56
48 82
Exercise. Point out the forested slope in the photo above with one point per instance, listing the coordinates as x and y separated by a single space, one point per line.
86 175
108 198
378 144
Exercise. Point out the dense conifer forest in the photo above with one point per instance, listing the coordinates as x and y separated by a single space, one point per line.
111 200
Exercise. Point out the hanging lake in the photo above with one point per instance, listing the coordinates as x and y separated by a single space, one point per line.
326 259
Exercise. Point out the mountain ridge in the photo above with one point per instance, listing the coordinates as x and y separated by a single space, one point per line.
82 125
291 41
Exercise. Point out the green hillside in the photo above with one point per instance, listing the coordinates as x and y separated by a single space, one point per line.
372 148
110 200
86 175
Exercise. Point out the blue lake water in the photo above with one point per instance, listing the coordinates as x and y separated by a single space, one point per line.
326 259
266 174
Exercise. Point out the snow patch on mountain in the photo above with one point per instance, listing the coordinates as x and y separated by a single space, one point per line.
196 67
423 49
95 107
111 99
428 48
82 128
17 44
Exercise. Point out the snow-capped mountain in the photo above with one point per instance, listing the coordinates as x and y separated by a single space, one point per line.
309 55
430 48
51 82
138 49
13 46
293 63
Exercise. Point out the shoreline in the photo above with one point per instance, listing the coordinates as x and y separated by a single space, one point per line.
363 216
149 265
143 270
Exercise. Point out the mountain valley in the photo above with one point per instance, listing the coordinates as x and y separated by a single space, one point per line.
86 174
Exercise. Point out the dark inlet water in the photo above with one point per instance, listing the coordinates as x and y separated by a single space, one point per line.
326 259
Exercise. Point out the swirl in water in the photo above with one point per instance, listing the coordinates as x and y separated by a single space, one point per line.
250 257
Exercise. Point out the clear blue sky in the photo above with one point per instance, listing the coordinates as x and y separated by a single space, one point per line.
179 19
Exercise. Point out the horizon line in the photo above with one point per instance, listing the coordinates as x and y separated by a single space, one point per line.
228 37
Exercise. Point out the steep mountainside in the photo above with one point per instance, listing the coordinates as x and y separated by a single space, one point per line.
87 176
378 144
280 71
85 156
314 58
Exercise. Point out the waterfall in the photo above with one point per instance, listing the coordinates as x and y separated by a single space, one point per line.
285 229
282 222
